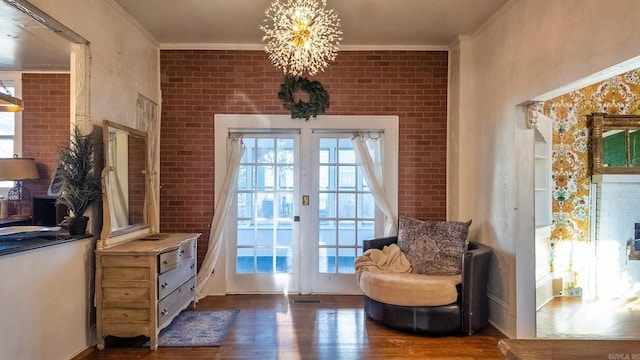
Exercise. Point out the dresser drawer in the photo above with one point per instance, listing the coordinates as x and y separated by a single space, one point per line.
188 249
170 280
177 300
168 260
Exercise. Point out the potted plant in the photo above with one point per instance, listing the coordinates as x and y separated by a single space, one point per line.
79 178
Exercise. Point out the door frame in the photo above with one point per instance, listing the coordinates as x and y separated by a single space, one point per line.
223 123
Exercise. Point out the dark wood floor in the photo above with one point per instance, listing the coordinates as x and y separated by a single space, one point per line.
575 318
312 327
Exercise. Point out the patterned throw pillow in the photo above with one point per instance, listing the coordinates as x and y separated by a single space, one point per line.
433 247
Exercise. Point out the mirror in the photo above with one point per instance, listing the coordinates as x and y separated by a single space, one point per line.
615 144
125 184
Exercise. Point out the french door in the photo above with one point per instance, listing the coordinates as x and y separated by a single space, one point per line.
300 213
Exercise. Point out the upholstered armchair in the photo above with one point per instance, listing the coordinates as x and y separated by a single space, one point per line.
467 312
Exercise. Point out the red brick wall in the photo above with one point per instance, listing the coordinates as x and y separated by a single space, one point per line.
198 84
45 123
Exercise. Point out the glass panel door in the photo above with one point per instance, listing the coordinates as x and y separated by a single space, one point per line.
265 233
346 214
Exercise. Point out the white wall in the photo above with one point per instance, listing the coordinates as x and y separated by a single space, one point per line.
124 63
124 59
530 49
45 302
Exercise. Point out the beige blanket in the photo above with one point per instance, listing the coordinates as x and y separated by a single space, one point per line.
389 259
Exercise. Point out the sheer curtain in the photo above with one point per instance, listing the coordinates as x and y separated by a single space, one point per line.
369 157
236 150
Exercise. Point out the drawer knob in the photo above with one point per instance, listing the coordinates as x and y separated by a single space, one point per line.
165 284
193 266
193 288
165 262
165 311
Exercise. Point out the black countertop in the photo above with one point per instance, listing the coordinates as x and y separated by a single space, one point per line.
15 243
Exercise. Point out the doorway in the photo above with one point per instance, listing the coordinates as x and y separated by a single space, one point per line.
302 208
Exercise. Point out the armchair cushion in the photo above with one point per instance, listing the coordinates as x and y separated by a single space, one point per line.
433 247
409 289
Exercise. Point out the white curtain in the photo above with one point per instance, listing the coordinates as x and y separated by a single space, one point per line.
223 202
369 157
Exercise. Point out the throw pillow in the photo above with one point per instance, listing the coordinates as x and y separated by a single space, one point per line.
433 247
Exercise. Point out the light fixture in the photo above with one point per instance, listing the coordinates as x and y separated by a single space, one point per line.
18 169
9 103
303 36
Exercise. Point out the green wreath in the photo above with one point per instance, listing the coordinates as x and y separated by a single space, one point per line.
318 97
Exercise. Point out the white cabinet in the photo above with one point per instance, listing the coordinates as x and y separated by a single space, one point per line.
543 181
142 285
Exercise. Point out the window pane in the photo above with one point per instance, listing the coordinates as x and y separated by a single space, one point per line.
285 151
264 201
327 260
266 151
285 177
284 233
366 206
327 205
327 178
285 207
265 260
244 261
7 123
327 151
284 260
245 233
265 177
346 205
366 231
346 257
347 233
347 177
6 148
264 235
328 233
346 156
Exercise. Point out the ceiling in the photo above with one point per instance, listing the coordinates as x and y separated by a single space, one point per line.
224 24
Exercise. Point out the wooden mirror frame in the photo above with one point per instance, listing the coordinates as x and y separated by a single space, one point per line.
600 123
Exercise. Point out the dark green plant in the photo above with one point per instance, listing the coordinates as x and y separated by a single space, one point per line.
81 187
318 97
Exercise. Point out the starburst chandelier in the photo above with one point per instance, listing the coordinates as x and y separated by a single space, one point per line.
303 36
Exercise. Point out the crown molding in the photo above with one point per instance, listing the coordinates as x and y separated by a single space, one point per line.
260 47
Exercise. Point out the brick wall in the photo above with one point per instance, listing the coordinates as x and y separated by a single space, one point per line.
618 209
45 123
197 84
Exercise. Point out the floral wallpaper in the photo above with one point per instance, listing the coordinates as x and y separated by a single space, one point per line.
570 163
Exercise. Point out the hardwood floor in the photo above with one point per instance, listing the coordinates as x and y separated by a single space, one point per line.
312 327
574 318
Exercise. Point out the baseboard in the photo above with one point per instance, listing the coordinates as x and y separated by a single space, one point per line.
83 353
544 291
498 314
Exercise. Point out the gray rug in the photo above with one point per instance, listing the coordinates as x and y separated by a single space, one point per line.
198 328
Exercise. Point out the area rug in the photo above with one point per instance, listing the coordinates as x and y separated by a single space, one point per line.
197 328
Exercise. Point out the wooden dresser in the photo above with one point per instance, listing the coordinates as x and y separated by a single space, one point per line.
141 285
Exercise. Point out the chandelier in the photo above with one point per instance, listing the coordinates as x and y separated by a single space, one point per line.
302 37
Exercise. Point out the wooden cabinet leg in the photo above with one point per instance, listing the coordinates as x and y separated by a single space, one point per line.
100 344
153 342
